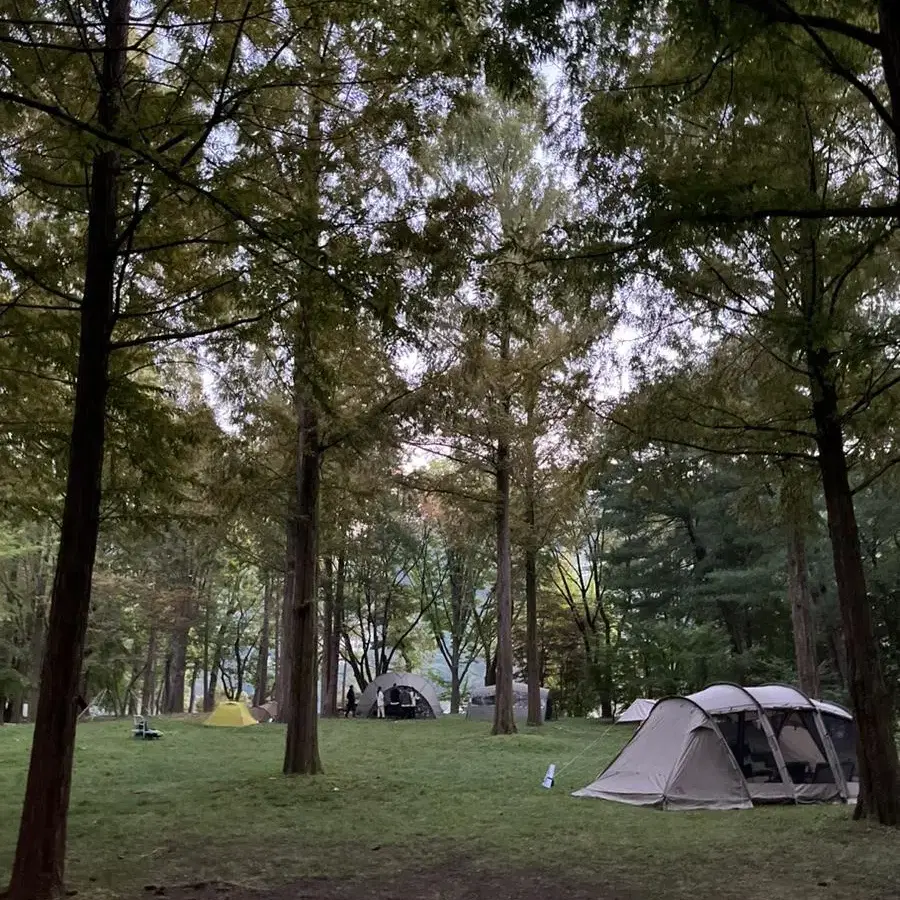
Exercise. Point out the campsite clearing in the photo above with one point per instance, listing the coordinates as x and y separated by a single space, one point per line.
435 809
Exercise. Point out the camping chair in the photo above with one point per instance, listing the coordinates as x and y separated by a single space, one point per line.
142 730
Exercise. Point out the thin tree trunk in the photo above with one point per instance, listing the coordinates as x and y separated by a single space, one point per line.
148 687
301 754
327 630
287 655
165 683
802 612
208 672
261 691
879 790
532 659
838 648
490 668
454 690
276 680
175 676
38 628
39 864
337 628
504 714
889 33
215 662
531 638
193 695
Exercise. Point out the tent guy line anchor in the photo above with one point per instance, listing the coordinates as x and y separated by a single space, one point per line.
552 771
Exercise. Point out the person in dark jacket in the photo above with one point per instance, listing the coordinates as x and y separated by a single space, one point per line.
351 703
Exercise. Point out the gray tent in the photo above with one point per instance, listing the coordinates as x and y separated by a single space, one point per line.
481 702
637 711
728 747
425 694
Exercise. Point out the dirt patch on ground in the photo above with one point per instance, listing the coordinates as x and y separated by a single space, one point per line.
444 884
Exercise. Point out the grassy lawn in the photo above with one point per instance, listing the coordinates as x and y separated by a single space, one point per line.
207 803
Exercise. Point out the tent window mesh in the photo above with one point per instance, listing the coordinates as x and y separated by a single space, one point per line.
747 742
801 746
843 735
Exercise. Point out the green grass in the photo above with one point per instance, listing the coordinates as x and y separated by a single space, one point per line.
207 803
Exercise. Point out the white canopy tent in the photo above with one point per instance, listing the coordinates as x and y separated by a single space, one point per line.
728 747
636 711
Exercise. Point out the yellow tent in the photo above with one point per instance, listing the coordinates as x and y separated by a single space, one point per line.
230 714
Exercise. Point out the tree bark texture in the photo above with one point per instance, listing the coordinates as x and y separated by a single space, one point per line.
802 620
148 685
337 628
532 659
192 699
327 629
879 791
889 28
301 755
38 867
504 714
531 638
261 688
178 644
286 655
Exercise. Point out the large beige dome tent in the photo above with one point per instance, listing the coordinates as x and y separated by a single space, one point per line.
729 747
637 711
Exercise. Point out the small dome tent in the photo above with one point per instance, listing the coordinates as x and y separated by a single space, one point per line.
730 747
482 701
231 714
636 712
426 705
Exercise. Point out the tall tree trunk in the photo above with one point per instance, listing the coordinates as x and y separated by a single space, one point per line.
278 616
193 695
165 683
532 658
800 597
838 647
37 651
337 629
301 753
287 655
148 686
490 668
327 630
531 638
178 644
504 714
208 670
531 622
455 689
889 31
261 691
879 790
38 867
215 670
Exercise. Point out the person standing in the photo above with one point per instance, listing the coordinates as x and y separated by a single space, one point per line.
350 711
379 702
